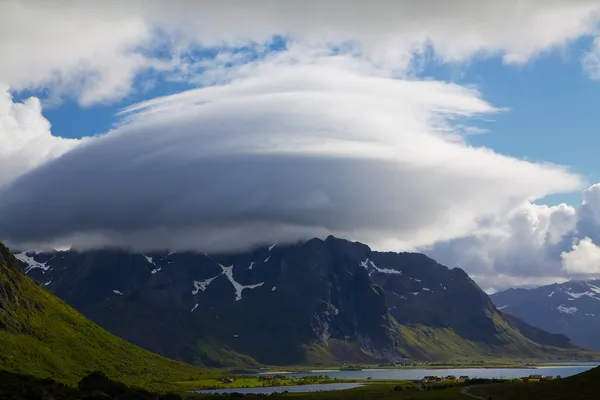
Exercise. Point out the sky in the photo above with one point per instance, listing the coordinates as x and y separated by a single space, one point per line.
465 130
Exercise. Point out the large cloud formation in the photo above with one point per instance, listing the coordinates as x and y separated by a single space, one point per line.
333 134
94 50
530 245
287 152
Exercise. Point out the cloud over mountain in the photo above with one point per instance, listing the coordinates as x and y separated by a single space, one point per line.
284 152
333 132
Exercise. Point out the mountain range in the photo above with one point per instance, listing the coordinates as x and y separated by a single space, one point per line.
571 308
43 336
314 302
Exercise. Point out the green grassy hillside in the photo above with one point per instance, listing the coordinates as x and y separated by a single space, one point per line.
42 336
584 386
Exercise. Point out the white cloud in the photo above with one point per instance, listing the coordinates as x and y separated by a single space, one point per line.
591 61
282 151
583 259
25 137
94 50
531 244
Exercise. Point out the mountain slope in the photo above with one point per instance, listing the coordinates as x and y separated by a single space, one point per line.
571 308
43 336
313 302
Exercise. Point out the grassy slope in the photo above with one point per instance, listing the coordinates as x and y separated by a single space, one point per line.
422 342
583 386
43 336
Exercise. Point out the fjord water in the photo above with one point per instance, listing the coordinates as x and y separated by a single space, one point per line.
290 389
410 374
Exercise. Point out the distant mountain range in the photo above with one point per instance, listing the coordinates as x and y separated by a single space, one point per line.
319 301
571 308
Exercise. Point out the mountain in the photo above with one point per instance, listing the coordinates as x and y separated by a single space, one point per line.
571 308
320 301
43 336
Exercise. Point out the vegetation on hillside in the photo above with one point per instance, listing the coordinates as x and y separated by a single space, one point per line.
584 386
42 336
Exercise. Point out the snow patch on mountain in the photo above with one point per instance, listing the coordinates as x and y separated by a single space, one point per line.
502 308
274 288
47 283
372 268
31 263
239 288
551 294
115 291
202 285
195 306
271 247
149 259
251 265
267 259
566 310
155 270
427 289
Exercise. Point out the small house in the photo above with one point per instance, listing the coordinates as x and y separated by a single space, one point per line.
464 378
536 376
227 380
451 378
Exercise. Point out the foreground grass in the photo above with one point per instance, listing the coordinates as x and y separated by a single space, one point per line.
382 392
583 386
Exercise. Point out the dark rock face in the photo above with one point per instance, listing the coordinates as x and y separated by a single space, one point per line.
571 308
283 304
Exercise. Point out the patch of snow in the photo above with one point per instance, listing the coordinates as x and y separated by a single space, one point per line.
550 295
267 259
589 315
115 291
271 247
427 289
415 293
202 285
594 288
47 283
566 310
155 270
579 295
31 263
228 272
251 265
502 308
236 336
274 288
170 254
370 264
416 280
193 309
149 259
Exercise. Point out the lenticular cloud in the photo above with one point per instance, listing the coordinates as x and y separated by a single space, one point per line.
277 154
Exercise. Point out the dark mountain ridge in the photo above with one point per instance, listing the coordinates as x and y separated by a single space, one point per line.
571 308
319 301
